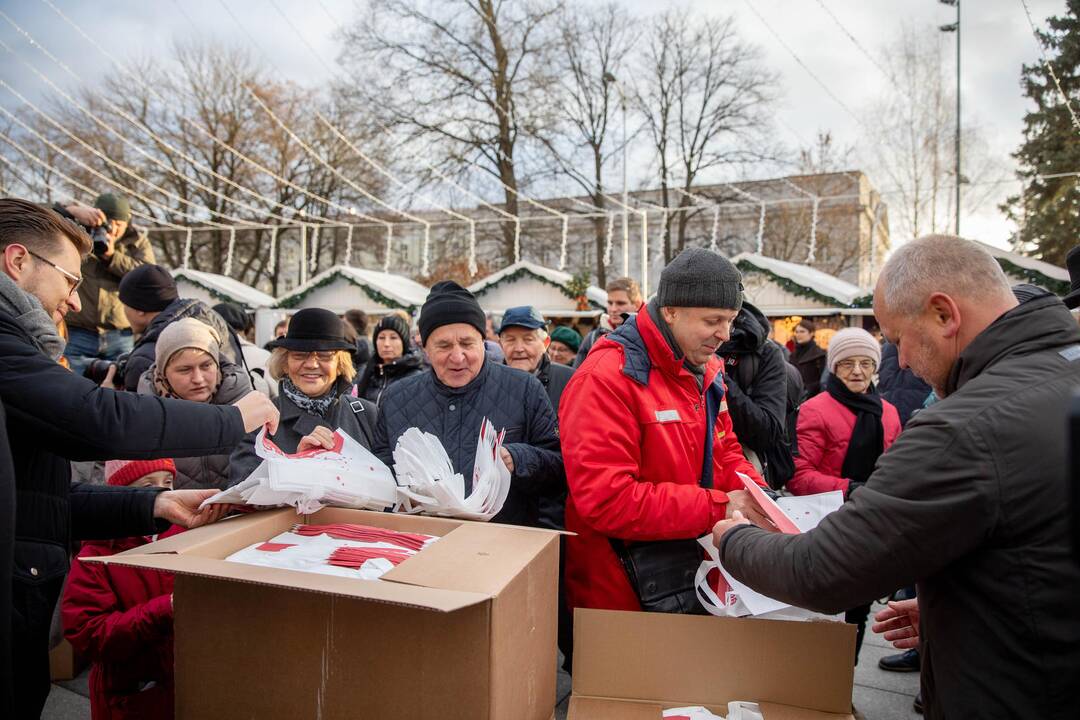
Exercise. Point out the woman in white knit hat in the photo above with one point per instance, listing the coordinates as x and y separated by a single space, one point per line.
843 430
188 365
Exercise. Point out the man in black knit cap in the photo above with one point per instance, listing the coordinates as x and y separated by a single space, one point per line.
463 388
151 303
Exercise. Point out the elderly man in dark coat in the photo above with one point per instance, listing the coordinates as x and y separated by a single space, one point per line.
463 388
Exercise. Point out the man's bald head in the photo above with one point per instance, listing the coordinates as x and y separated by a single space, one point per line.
959 268
933 297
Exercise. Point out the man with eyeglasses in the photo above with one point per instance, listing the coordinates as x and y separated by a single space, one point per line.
99 329
54 416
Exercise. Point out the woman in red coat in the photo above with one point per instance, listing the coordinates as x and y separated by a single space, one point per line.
834 454
845 429
121 619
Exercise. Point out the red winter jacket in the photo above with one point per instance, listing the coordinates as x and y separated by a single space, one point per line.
632 423
121 619
824 431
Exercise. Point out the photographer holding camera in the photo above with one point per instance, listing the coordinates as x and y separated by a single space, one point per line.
100 330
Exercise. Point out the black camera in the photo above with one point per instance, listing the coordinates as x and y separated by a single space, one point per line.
100 236
99 368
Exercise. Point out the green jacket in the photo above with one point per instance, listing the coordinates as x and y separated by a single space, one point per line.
99 293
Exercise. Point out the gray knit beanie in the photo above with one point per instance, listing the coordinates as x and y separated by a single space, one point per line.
700 278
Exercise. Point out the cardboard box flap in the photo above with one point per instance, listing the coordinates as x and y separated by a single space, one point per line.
696 660
474 557
438 599
237 531
590 708
772 711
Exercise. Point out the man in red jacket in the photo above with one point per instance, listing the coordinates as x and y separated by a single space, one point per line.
647 441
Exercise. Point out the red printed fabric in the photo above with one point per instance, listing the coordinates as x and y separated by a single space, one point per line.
356 557
365 533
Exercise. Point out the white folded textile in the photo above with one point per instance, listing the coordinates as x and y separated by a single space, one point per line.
292 551
347 475
428 484
731 598
737 710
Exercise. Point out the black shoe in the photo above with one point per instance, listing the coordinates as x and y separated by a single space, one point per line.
917 705
901 662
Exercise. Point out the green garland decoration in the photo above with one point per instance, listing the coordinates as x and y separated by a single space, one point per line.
802 291
1058 287
525 272
214 292
292 301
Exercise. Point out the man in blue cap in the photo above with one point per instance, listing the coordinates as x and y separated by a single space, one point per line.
524 341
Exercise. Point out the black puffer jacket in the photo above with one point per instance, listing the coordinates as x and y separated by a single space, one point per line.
211 470
757 382
969 502
55 416
511 399
809 360
377 376
142 355
355 416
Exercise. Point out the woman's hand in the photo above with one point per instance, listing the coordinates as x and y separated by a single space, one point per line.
320 437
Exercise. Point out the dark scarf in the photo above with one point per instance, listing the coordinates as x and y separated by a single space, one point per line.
809 350
317 406
868 437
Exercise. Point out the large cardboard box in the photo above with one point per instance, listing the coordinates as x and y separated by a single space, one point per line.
632 666
464 629
64 662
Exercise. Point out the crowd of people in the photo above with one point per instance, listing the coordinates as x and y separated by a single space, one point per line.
946 442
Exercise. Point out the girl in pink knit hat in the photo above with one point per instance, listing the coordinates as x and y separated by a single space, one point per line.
121 619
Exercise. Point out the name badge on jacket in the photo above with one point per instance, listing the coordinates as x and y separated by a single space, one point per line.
666 416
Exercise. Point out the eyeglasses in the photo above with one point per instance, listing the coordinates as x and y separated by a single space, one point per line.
323 356
74 281
867 366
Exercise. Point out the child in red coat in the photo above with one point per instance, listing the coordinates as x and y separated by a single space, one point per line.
121 619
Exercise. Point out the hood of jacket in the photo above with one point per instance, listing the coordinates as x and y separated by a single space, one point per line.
749 332
177 310
234 385
1033 326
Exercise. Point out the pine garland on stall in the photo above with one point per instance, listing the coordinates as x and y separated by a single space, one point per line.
295 300
525 272
801 290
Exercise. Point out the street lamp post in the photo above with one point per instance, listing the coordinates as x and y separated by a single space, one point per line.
611 79
955 27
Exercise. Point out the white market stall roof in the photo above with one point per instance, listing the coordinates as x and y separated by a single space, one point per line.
343 288
1022 268
212 289
778 287
526 283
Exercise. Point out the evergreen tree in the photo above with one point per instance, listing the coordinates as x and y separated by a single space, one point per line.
1048 209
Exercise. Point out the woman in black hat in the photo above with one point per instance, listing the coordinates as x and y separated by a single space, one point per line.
394 358
313 364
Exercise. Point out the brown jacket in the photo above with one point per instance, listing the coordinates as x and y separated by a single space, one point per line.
99 293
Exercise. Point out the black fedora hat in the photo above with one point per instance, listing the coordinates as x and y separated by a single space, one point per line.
1072 263
314 329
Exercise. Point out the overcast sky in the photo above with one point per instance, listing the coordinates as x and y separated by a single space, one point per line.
996 42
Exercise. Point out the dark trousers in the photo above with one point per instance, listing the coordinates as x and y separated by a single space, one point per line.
858 616
31 617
